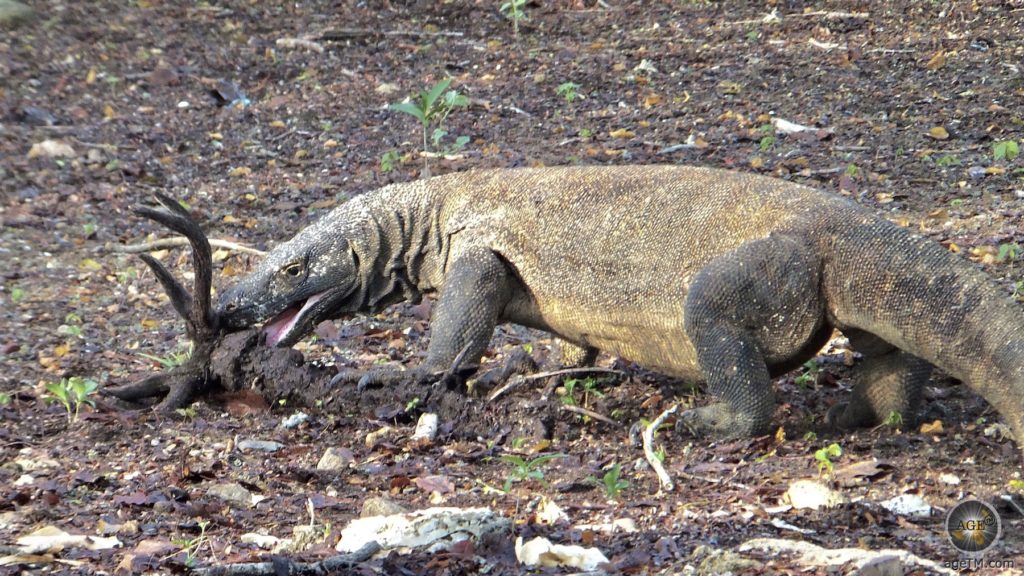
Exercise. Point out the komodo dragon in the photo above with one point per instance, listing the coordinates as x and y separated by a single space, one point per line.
698 273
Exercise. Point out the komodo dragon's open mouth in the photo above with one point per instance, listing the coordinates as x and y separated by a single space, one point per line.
280 326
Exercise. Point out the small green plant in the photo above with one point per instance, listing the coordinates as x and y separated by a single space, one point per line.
17 295
948 160
825 455
810 436
388 161
768 140
809 376
1016 484
852 170
1005 150
71 393
514 10
586 133
1008 252
71 326
523 469
613 482
172 359
431 108
411 405
5 398
191 546
1018 290
589 385
518 442
187 413
894 420
956 202
568 91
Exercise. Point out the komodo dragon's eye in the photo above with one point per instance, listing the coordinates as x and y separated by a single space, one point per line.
293 269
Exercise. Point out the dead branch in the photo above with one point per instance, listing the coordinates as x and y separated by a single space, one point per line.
663 478
350 33
587 412
164 243
282 565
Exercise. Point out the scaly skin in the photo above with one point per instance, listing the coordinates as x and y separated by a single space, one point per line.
701 274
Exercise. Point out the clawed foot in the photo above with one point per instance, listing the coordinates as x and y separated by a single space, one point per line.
719 421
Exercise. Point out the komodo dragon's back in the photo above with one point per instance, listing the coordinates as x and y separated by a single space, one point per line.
699 273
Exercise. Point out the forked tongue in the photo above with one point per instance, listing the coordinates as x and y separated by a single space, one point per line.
279 326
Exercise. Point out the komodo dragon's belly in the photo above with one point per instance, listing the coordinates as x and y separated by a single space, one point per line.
637 320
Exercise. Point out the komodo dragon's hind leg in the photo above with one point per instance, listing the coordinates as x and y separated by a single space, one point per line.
756 306
887 381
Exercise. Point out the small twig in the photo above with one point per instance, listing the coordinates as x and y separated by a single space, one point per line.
891 51
293 43
583 370
177 242
585 412
345 33
519 380
652 458
281 565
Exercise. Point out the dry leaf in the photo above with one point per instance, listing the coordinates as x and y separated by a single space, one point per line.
937 61
939 133
622 133
932 428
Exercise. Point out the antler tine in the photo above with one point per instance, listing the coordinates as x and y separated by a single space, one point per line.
180 298
175 217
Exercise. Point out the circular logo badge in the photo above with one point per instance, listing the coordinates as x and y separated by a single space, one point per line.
973 526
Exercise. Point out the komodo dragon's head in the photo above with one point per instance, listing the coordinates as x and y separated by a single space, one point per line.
315 276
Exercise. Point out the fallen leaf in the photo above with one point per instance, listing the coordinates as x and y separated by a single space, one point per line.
938 60
932 427
240 171
435 483
52 149
622 133
939 133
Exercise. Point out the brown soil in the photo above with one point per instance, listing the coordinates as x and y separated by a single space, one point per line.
906 100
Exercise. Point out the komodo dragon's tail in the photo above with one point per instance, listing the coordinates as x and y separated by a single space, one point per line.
916 295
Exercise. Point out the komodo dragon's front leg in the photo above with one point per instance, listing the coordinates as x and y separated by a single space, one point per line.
477 287
755 307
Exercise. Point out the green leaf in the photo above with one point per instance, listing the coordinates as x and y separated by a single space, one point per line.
435 92
410 109
1006 150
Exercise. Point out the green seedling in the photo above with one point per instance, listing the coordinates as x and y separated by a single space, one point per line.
613 482
768 140
825 455
809 376
388 161
5 398
894 420
191 546
1008 252
523 469
514 10
71 393
810 436
431 108
17 295
568 91
1005 150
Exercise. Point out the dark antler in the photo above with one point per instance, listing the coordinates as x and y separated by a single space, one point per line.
182 383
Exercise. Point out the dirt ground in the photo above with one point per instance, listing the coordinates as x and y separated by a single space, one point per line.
910 105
